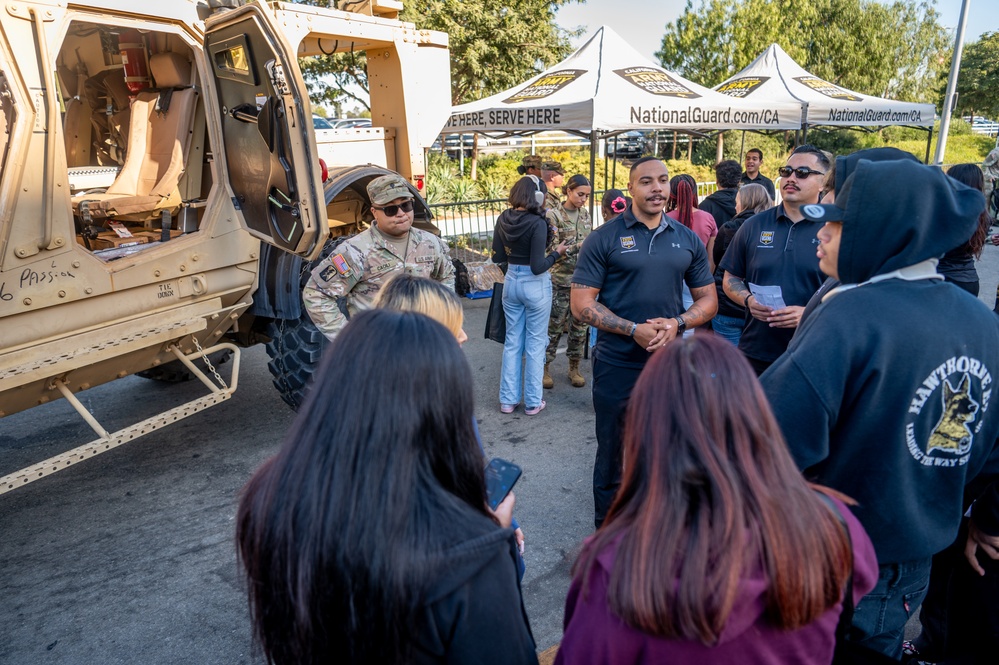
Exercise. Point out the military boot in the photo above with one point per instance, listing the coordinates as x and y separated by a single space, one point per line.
548 381
574 376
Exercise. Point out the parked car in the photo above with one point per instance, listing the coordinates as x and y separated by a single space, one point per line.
628 144
319 122
352 123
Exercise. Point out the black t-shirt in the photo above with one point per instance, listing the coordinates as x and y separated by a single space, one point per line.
760 180
639 272
770 250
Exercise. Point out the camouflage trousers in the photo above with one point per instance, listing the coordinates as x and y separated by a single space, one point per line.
561 316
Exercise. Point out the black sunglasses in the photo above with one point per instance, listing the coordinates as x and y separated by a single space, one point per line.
800 172
392 211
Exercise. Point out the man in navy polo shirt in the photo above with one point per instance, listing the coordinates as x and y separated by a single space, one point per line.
628 285
777 248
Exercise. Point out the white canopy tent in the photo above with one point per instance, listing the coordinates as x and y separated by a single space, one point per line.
606 87
775 77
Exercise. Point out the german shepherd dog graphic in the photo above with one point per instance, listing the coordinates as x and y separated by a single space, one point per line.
952 433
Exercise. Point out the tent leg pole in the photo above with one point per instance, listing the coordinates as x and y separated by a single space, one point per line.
606 165
593 170
742 148
929 140
614 165
804 133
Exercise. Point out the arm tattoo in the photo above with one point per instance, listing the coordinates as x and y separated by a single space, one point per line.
736 287
696 316
604 319
599 316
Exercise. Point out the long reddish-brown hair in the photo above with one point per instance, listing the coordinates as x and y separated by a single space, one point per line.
710 493
683 198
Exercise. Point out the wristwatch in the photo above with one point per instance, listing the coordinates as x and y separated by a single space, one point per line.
681 325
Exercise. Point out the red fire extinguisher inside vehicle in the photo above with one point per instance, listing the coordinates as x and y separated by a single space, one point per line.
133 57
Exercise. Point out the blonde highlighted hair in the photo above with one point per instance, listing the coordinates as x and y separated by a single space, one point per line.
410 293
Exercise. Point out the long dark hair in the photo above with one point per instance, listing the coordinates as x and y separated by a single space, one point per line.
683 198
339 531
705 499
522 195
972 176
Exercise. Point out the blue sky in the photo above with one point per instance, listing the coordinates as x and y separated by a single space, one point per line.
644 21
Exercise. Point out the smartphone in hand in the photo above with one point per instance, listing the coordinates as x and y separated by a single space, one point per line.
501 476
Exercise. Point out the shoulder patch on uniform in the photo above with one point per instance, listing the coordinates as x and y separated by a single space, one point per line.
340 263
328 273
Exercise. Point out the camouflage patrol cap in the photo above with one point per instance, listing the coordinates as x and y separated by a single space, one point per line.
388 188
554 166
531 161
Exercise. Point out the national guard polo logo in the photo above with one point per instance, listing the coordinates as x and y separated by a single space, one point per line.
627 242
742 87
657 81
545 86
826 88
767 238
947 412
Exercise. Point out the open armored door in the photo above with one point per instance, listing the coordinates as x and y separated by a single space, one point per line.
267 130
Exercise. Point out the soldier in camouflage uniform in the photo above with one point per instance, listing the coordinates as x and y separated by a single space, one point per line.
363 263
572 223
530 165
554 177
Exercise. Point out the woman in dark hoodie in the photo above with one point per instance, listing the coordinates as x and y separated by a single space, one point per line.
367 538
731 317
520 239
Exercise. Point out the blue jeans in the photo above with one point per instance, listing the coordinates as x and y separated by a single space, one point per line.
527 303
729 328
880 617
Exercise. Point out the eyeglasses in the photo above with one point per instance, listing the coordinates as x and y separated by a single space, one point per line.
392 211
800 173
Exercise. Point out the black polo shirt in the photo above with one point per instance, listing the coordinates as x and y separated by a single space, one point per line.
760 180
768 250
639 272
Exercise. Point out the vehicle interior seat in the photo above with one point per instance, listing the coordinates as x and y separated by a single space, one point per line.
76 121
159 138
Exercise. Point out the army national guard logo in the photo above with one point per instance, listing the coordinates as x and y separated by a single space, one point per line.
742 87
767 238
627 242
947 412
545 86
657 81
827 88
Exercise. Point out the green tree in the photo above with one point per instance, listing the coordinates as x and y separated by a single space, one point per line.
493 46
891 50
978 81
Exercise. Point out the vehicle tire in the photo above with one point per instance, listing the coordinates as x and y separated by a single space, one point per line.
296 346
176 372
294 350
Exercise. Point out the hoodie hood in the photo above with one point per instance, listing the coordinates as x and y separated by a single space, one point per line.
476 542
896 214
515 225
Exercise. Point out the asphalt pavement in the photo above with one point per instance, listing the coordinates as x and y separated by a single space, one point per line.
129 557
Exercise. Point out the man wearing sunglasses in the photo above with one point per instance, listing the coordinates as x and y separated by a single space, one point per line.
359 267
777 248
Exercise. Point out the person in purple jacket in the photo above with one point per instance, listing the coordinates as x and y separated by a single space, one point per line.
716 550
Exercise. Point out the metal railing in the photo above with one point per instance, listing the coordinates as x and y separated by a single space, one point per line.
467 226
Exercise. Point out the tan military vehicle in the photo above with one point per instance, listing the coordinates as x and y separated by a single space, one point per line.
148 149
